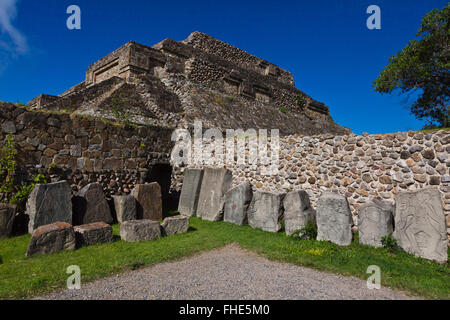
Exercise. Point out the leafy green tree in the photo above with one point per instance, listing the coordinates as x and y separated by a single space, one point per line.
422 67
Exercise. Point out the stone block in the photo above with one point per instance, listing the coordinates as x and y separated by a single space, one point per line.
125 207
49 203
266 211
140 230
90 205
237 201
375 220
334 219
297 211
190 192
7 215
51 238
175 224
93 233
216 181
420 226
148 201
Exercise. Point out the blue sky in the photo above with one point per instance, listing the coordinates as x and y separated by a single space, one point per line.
325 44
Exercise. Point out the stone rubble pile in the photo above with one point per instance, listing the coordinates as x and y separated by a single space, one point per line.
419 226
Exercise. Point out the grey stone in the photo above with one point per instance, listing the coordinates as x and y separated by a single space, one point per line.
334 219
7 214
175 224
216 182
375 220
297 211
93 233
49 203
125 207
237 201
420 226
148 201
140 230
9 127
266 211
415 148
90 205
52 238
190 192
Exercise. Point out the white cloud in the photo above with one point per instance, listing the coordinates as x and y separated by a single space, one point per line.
12 40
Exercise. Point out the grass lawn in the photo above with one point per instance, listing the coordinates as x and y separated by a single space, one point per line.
22 277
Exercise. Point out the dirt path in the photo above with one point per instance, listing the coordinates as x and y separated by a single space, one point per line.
228 273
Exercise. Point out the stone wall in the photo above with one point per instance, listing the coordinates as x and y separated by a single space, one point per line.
83 150
360 167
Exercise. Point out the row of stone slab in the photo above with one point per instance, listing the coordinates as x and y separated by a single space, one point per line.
53 202
420 225
61 236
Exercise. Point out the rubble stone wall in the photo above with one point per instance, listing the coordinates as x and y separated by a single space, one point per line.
83 150
360 167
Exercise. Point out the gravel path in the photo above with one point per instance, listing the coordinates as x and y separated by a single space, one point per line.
227 273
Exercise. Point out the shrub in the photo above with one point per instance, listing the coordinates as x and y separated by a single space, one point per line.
7 168
301 100
283 110
21 196
390 243
309 231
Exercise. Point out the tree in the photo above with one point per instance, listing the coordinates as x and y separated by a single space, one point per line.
422 67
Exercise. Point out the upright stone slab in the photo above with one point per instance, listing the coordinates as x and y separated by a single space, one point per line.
216 181
90 205
297 211
175 224
7 214
52 238
125 207
190 192
93 233
49 203
237 201
420 226
140 230
266 211
334 219
375 220
148 201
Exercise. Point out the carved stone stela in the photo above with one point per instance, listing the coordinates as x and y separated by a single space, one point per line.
420 224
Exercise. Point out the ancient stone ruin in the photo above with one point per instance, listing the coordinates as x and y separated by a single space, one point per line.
104 147
175 82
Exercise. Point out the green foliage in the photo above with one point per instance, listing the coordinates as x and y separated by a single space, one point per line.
423 67
7 168
308 232
21 196
283 110
301 101
117 108
390 243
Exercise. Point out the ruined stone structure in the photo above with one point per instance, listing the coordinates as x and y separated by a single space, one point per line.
115 129
173 83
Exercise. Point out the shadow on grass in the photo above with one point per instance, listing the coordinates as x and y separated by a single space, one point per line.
192 229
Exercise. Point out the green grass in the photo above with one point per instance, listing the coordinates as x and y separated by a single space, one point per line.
22 277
